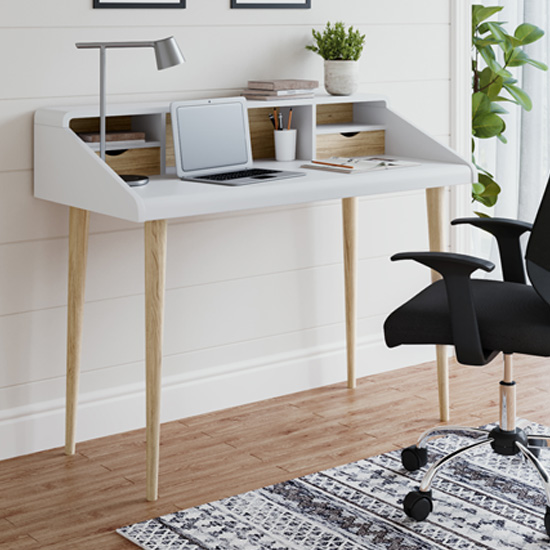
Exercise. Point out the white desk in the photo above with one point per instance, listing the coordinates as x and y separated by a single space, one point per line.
68 172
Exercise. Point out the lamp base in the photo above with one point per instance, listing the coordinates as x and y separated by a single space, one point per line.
134 180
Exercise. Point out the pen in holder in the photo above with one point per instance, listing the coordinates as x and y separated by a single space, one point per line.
285 144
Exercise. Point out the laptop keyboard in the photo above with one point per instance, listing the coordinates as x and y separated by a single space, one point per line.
250 173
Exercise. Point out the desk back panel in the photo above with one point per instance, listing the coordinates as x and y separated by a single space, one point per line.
334 113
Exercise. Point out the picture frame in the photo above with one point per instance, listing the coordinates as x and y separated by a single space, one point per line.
271 4
146 4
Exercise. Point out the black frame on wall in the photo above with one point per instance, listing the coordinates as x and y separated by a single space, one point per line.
150 4
281 4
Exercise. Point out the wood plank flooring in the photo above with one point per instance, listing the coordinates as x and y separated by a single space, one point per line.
51 501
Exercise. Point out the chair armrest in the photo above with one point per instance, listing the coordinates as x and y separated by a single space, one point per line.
456 270
507 233
447 263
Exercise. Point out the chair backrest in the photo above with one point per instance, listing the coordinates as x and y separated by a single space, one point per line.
538 249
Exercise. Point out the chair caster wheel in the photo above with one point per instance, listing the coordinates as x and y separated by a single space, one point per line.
418 505
413 457
547 521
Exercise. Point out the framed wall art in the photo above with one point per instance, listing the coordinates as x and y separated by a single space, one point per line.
270 4
139 4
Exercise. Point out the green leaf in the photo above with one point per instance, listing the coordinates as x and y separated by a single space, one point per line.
490 83
537 64
488 126
527 33
480 13
484 28
509 80
520 96
498 109
477 188
516 57
489 57
485 190
485 123
482 42
480 104
498 32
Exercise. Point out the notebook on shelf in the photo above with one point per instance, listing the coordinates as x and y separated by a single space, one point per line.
212 143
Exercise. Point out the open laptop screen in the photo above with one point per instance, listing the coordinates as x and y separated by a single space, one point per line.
212 135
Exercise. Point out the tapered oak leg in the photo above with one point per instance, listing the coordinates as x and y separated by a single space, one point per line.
349 216
78 252
436 228
155 268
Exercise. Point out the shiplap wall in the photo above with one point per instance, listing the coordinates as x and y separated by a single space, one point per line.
254 302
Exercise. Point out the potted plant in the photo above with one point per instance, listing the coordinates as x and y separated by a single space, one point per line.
341 49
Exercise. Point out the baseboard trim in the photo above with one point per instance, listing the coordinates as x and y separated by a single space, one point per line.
40 426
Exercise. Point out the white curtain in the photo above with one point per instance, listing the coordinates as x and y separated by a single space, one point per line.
534 158
522 165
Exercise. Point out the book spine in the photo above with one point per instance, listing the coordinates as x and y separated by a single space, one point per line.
276 85
260 97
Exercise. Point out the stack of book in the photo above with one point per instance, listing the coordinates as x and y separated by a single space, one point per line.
267 90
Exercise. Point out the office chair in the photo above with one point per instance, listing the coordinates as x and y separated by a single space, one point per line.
481 318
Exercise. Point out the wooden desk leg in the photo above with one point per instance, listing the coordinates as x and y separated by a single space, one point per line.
78 251
436 229
349 216
155 268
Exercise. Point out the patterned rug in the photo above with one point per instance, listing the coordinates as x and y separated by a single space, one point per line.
482 501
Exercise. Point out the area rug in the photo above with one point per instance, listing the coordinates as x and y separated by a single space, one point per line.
481 501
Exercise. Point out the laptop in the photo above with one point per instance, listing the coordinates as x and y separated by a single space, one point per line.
212 143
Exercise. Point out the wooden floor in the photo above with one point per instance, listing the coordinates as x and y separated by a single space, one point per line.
48 500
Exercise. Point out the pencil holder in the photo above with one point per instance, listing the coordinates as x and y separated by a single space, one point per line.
285 144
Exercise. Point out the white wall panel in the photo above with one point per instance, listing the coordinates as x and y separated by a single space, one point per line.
68 13
200 317
254 299
269 51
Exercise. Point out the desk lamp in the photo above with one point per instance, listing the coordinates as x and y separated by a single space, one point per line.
167 54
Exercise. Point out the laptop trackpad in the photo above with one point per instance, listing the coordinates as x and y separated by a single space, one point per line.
264 177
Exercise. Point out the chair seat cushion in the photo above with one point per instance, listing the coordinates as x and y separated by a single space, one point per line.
512 318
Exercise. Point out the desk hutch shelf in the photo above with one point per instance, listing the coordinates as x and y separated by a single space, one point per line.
67 169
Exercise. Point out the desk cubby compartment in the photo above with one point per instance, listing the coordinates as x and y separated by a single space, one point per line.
127 155
261 129
343 129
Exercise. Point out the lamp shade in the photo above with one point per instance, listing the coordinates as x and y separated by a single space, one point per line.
167 53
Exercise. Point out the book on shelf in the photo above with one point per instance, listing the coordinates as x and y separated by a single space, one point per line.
347 165
270 97
283 84
277 93
93 137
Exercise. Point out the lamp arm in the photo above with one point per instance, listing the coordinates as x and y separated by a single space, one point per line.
100 45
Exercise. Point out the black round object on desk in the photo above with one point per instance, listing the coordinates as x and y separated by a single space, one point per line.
134 180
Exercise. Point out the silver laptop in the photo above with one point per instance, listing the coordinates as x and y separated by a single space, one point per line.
212 143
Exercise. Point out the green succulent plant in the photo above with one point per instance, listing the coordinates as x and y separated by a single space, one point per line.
493 84
335 43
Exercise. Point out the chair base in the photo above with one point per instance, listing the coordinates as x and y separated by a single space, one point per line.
511 441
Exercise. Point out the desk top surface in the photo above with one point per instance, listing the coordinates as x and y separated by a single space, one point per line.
170 197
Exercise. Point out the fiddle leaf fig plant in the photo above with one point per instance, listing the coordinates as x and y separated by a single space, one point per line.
337 43
494 52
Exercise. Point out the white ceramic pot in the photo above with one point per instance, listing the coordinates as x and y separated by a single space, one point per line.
341 77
